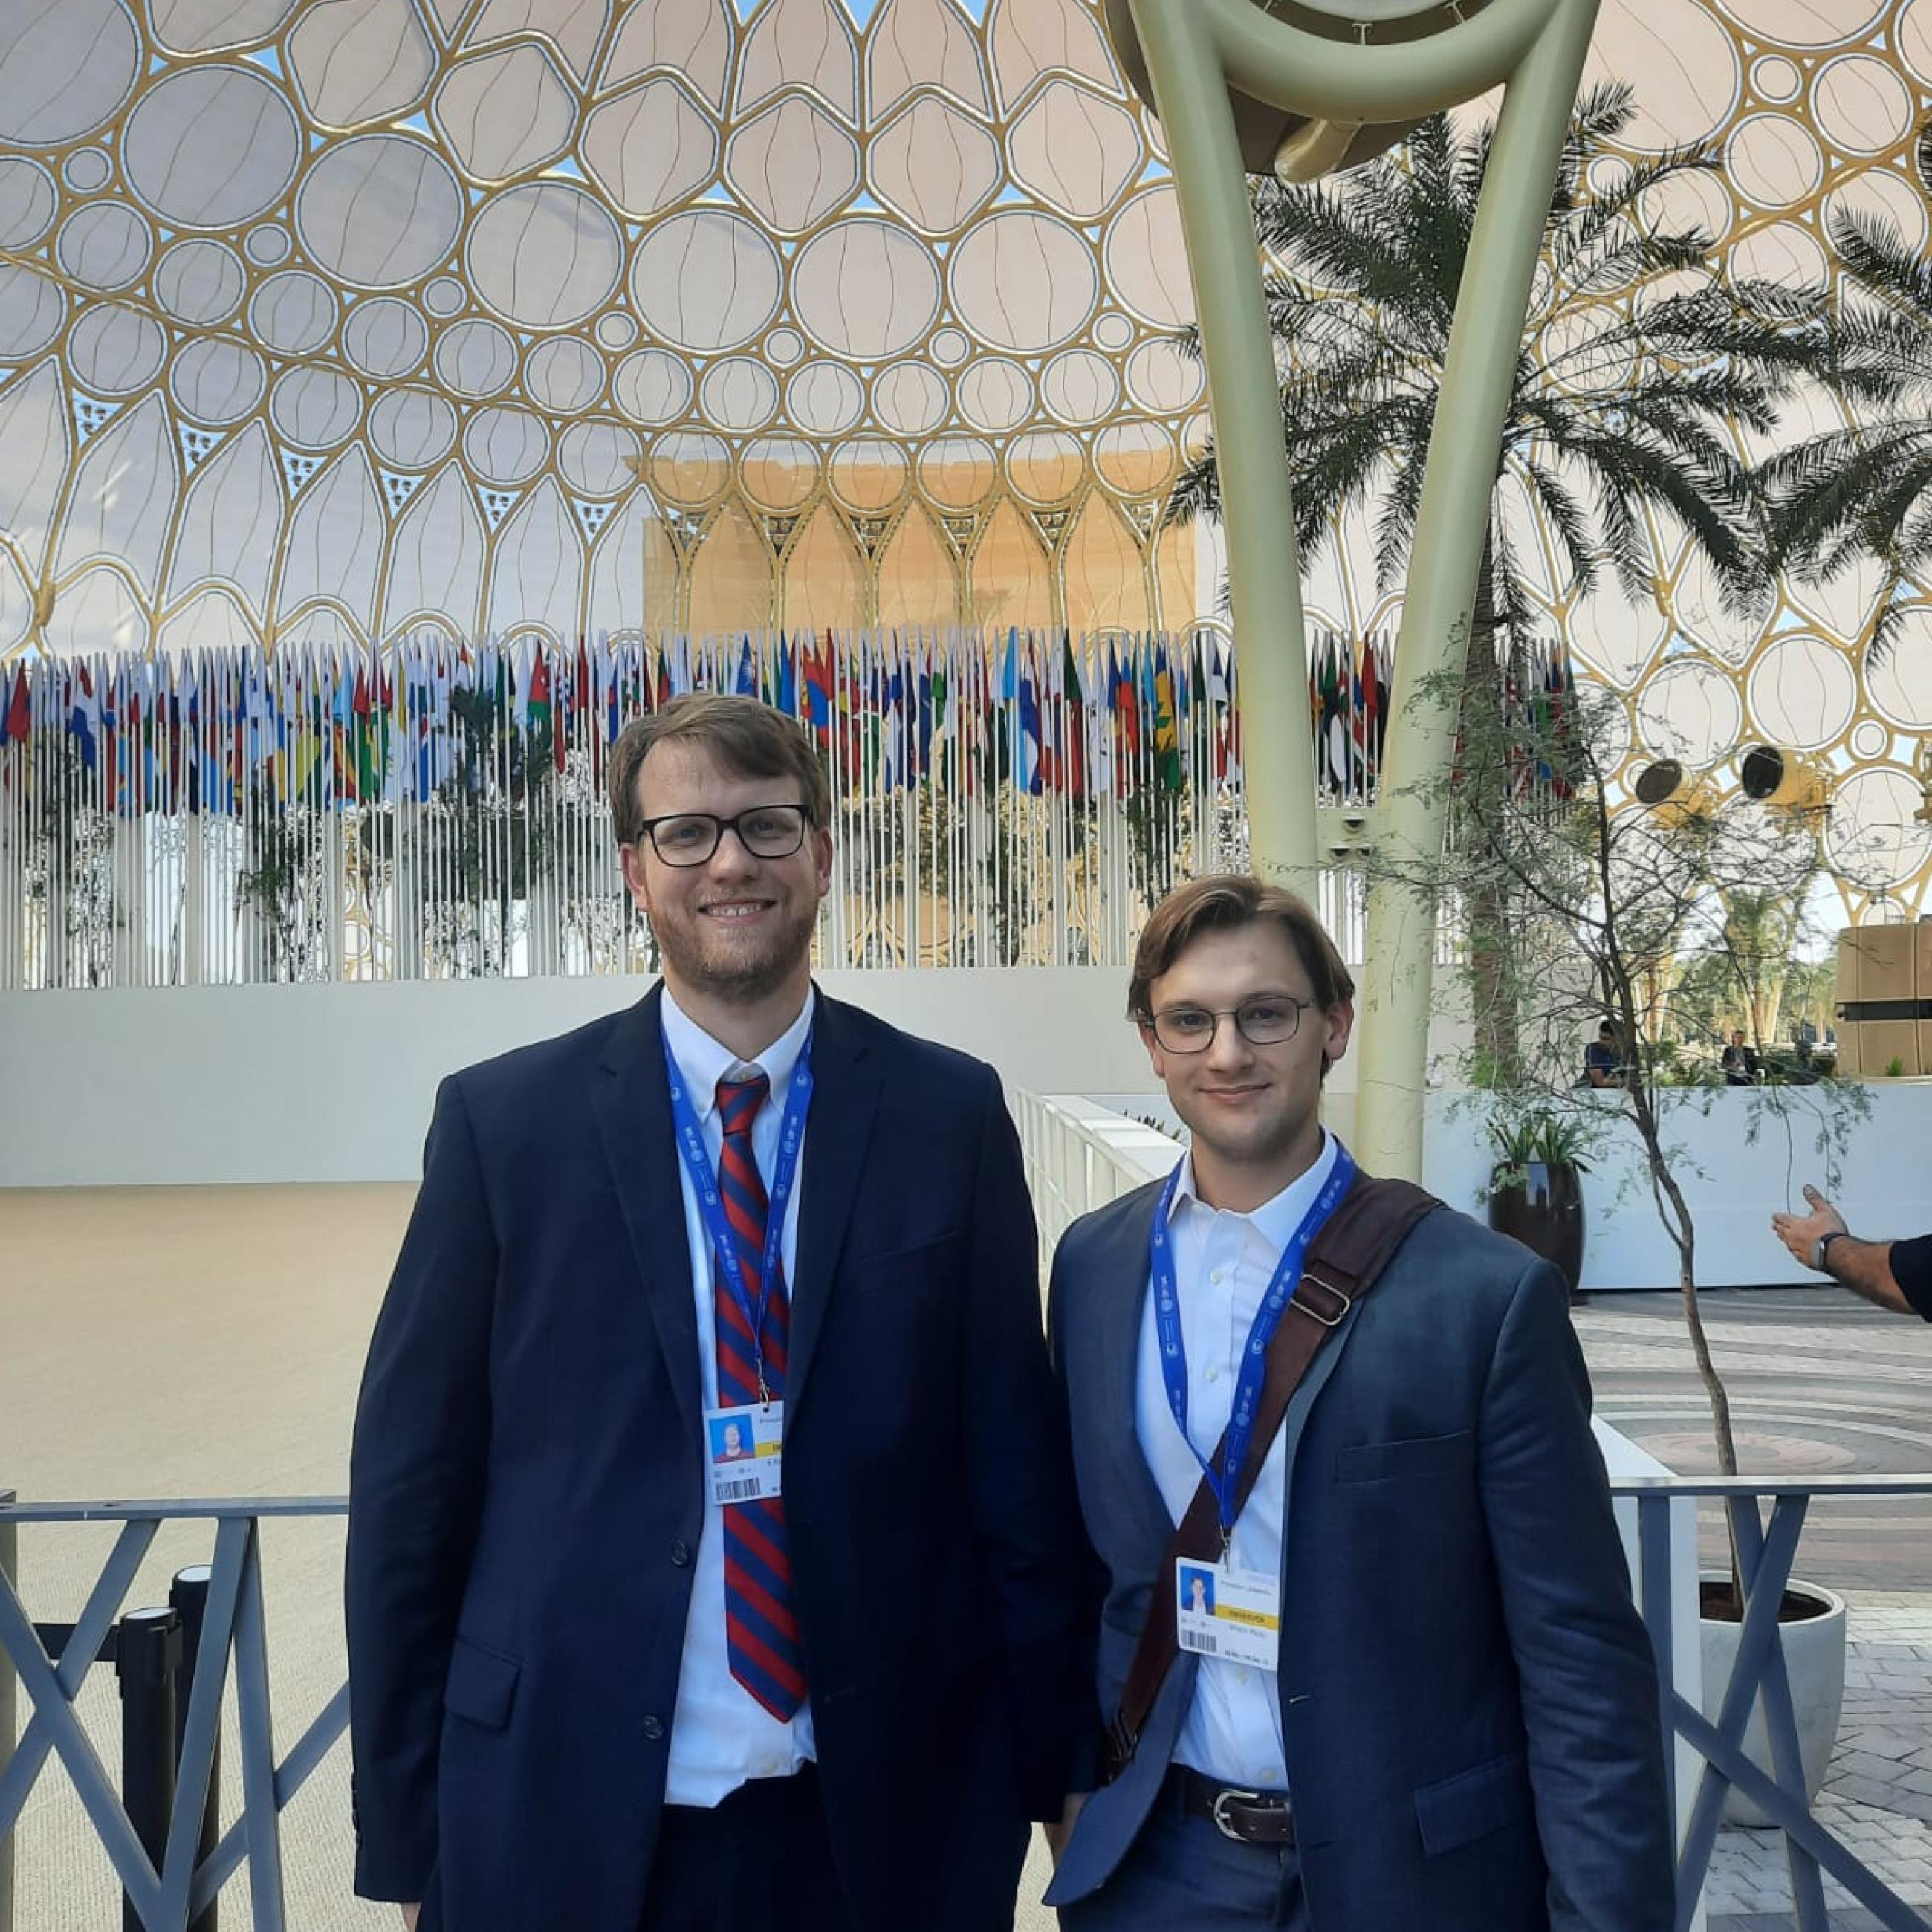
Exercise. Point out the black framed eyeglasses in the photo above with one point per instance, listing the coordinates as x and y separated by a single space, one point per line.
690 838
1264 1021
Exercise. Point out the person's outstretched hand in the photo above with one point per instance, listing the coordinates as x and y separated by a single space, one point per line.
1800 1233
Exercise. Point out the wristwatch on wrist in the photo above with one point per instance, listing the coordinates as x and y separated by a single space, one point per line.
1824 1241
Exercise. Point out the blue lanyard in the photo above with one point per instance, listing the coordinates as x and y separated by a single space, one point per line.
1225 1480
704 1183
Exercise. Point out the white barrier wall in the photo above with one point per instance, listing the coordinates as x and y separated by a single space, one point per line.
334 1082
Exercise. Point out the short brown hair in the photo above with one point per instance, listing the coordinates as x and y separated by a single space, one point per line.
1220 903
747 736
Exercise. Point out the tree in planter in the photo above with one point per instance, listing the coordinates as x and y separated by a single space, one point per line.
1600 893
1639 355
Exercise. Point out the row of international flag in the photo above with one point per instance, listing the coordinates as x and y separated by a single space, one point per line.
335 727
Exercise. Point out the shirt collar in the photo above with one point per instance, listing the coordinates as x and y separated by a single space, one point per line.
1276 1219
704 1061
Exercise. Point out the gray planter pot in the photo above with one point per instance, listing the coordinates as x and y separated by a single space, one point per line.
1814 1661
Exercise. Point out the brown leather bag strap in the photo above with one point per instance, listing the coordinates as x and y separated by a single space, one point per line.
1352 1248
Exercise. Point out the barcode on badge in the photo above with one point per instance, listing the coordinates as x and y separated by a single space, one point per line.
739 1492
1207 1646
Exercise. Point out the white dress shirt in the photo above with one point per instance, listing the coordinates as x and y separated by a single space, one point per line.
721 1737
1222 1265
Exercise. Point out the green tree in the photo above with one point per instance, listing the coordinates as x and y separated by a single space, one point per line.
1866 490
1638 357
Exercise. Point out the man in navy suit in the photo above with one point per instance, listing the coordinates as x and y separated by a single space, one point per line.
598 1682
1419 1696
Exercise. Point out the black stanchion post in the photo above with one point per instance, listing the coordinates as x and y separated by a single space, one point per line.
189 1599
147 1656
9 1553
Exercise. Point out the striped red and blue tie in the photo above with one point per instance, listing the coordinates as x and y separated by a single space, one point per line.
761 1630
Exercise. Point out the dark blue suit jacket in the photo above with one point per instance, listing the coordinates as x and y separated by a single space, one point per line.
1468 1702
527 1491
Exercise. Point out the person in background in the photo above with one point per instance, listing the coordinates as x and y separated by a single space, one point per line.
1739 1061
1603 1060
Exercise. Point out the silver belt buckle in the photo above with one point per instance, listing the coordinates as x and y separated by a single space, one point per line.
1230 1796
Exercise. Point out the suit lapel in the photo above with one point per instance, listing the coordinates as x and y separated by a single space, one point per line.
844 1105
631 1100
1120 1291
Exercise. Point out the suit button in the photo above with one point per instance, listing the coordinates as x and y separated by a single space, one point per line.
653 1729
680 1553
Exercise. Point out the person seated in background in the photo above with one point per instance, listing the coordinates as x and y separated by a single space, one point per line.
1740 1062
1603 1062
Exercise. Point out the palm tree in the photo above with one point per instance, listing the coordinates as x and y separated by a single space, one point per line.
1867 491
1638 358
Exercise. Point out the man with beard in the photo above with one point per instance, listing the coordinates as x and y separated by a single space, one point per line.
1417 1693
601 1676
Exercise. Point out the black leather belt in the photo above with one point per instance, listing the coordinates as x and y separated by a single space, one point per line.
1249 1817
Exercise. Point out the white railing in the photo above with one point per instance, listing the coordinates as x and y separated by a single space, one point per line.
1080 1156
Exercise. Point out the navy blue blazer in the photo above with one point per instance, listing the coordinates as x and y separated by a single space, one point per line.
527 1491
1468 1701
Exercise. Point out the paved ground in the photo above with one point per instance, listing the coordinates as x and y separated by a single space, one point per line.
183 1343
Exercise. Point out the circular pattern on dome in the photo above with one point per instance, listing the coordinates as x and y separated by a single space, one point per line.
1817 23
1689 711
689 469
1803 692
1113 331
1871 832
950 347
596 457
1774 160
410 429
825 398
1687 203
86 169
378 210
1889 197
31 310
1778 79
739 394
1861 105
63 69
910 399
1913 37
385 338
959 473
615 331
1134 459
1024 281
446 296
652 387
476 358
211 147
1784 253
1079 386
783 347
706 280
995 395
28 201
1147 259
546 255
1899 684
1688 64
865 289
1870 740
114 351
563 375
1163 380
1044 467
779 473
868 475
267 244
200 282
216 383
314 409
293 313
104 245
506 446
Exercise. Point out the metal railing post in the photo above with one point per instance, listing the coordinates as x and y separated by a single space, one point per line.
10 1571
188 1597
147 1657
